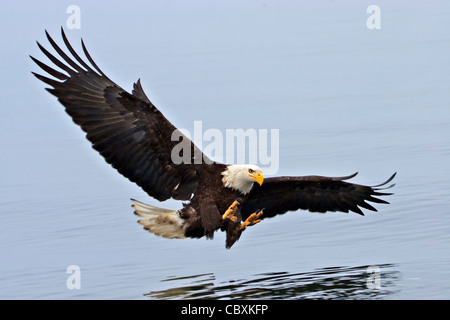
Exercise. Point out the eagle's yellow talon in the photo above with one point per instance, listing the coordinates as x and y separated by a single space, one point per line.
251 220
229 214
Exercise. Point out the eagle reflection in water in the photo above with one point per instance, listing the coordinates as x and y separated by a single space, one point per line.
324 283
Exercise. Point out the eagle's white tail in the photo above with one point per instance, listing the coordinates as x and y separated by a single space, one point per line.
162 222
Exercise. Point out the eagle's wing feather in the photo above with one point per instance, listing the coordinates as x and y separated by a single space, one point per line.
127 129
314 193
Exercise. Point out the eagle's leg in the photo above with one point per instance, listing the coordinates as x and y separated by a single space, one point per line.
230 213
251 220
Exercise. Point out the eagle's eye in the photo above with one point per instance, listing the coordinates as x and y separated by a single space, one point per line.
251 171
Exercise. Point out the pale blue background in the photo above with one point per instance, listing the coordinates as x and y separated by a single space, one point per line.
345 99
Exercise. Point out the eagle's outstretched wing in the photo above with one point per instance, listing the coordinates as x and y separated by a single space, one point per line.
127 129
314 193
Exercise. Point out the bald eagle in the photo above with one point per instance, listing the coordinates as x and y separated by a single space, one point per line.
135 138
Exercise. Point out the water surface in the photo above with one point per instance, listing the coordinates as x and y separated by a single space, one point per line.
344 98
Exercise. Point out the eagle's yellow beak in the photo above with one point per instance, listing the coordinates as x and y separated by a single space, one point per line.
258 177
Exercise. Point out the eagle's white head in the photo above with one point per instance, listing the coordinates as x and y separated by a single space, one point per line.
242 177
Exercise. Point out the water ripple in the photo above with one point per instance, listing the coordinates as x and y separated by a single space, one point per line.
325 283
